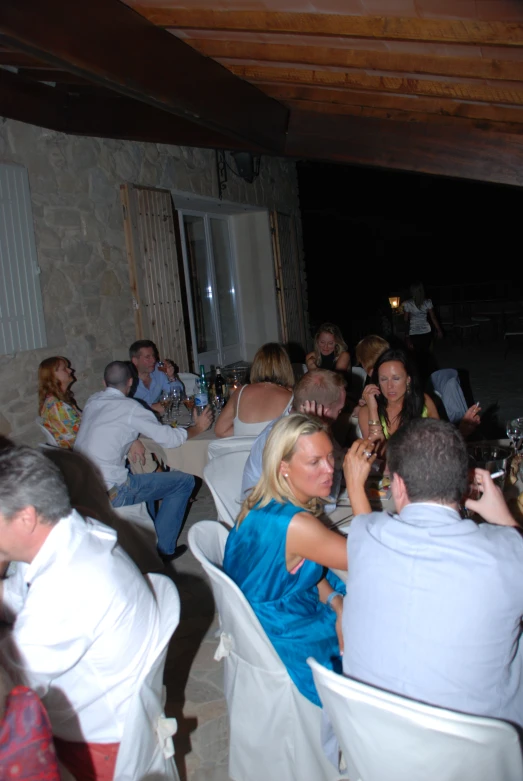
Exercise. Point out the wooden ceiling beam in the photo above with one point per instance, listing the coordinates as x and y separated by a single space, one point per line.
113 46
391 28
366 59
104 115
371 100
440 150
19 59
402 115
398 85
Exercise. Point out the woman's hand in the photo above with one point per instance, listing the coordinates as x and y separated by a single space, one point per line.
492 506
470 420
310 362
357 463
137 452
370 397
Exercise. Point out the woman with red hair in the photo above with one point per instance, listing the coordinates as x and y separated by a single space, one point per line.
56 403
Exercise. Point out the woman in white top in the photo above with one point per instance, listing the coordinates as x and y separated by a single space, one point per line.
269 395
418 310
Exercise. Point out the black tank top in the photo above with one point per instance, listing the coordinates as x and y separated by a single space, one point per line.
328 362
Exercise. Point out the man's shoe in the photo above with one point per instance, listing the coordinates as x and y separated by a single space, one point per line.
168 557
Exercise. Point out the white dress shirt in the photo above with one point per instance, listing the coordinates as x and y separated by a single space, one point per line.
86 619
111 422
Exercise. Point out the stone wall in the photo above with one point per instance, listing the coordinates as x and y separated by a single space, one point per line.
80 242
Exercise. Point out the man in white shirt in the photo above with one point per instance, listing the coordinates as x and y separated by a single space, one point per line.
85 619
111 422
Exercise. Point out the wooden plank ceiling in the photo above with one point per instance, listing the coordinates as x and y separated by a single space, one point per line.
422 85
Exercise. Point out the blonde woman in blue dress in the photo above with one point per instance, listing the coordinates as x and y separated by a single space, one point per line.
280 553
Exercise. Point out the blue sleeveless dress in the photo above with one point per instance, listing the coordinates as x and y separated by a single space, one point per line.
287 606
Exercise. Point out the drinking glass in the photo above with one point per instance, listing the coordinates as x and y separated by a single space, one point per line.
165 401
175 397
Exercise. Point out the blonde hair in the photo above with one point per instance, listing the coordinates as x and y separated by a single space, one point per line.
271 364
281 446
340 344
369 349
48 385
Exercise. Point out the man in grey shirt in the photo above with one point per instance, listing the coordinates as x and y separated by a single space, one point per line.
434 601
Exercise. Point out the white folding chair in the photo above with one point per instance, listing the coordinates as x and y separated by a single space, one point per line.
385 736
274 730
224 477
49 439
146 749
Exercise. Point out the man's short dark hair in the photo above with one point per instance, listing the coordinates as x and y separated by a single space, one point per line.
141 344
29 479
431 457
117 375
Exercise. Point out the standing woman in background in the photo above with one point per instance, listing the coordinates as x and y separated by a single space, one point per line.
418 310
330 350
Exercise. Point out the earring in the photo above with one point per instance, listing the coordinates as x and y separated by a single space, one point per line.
285 475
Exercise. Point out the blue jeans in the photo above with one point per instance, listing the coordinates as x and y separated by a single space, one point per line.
173 488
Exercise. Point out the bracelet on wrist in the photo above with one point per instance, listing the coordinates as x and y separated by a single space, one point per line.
374 423
331 597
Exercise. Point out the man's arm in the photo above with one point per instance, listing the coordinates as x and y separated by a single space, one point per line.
492 506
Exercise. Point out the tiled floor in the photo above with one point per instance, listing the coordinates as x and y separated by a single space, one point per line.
194 680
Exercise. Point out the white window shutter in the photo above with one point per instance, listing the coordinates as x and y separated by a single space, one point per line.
22 325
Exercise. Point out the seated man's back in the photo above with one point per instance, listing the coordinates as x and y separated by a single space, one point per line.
84 631
434 601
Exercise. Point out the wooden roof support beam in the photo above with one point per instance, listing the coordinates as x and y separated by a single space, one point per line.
111 45
107 116
391 28
394 84
378 100
431 149
366 59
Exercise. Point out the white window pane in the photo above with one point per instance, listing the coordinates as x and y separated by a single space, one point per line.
225 289
201 283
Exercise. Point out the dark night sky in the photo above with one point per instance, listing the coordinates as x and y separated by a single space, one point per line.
369 233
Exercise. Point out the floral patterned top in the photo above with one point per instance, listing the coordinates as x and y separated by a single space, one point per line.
62 420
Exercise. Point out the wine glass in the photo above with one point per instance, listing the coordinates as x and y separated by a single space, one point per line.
176 398
165 401
515 432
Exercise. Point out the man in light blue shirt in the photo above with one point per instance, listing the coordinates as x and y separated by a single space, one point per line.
434 601
151 382
326 391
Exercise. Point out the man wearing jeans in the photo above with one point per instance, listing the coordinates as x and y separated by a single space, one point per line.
111 422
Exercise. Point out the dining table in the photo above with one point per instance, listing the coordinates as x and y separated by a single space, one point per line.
191 457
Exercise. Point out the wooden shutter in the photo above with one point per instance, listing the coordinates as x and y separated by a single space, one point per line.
289 289
155 270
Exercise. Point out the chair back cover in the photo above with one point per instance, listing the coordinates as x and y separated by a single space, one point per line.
385 736
224 477
49 439
448 387
147 750
220 447
359 377
274 730
189 382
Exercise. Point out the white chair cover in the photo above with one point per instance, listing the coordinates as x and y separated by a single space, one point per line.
143 527
384 736
224 477
274 730
147 750
189 382
49 439
219 447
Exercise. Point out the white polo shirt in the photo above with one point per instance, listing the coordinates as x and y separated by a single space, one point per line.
86 619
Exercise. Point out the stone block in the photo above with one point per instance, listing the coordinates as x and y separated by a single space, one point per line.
77 251
5 426
109 285
99 363
101 189
67 218
48 238
83 153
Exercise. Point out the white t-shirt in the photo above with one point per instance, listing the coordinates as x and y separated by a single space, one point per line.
418 323
86 620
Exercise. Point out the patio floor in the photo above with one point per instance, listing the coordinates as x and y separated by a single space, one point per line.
194 680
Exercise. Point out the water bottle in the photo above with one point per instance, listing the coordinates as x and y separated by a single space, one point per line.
201 398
